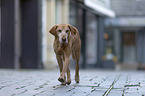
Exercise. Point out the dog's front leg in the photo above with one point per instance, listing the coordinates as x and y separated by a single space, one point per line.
65 66
68 76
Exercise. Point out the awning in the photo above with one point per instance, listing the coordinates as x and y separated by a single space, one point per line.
126 21
100 9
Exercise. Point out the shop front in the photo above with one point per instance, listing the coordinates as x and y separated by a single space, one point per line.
127 41
90 22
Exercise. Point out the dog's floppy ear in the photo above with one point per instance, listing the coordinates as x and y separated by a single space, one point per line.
72 29
53 30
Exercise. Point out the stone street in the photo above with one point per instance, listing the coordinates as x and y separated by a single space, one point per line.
95 82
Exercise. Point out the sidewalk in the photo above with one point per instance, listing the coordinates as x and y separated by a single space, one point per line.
92 83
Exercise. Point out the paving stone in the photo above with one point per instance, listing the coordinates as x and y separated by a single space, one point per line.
97 93
114 92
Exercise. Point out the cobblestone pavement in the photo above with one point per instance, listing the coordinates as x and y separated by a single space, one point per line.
92 83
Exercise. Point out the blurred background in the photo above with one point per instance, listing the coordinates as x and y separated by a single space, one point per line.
112 33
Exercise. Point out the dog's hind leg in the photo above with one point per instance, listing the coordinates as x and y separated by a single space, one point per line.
77 72
76 56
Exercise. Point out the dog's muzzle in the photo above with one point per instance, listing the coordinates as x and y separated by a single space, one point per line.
64 40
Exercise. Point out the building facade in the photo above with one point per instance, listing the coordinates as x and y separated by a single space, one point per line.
29 22
20 34
127 32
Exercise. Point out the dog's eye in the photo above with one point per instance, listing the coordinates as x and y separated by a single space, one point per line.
59 30
66 31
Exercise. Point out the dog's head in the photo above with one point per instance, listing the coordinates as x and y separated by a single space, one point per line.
63 32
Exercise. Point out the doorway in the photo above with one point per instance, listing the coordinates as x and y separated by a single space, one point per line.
129 47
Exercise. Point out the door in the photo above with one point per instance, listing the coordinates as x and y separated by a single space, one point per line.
129 48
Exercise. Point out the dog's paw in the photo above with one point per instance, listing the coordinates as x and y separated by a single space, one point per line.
68 83
61 80
77 79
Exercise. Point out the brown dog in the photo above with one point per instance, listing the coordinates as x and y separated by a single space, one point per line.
67 41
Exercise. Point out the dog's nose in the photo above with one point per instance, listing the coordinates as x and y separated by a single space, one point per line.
63 39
